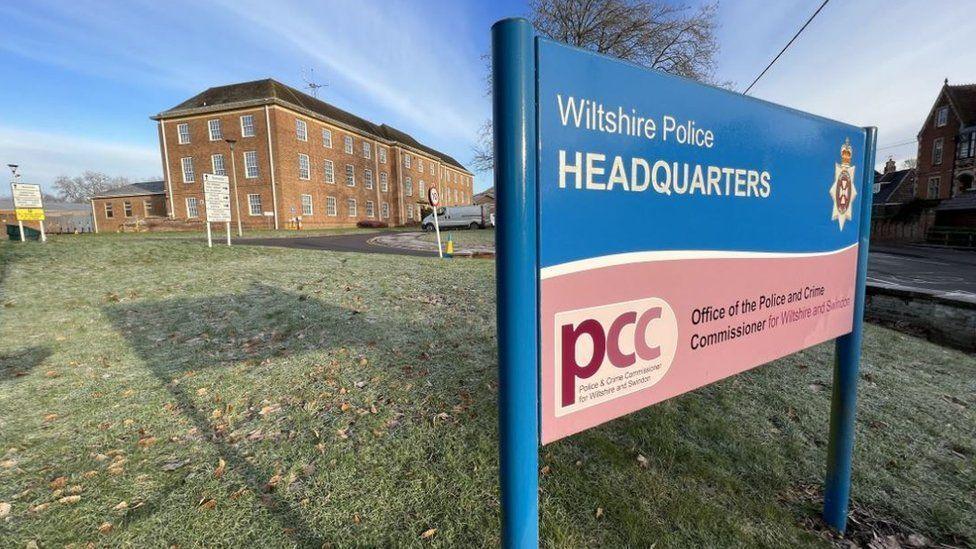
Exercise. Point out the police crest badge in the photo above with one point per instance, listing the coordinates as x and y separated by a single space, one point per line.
842 192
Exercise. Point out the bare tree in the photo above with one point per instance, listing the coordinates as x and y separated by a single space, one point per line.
81 188
656 34
909 163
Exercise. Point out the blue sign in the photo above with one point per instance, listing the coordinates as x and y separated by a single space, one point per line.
656 235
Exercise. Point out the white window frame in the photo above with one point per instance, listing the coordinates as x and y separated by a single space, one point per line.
247 167
422 189
183 133
218 170
937 180
381 151
109 211
370 209
384 182
329 169
194 212
251 204
420 164
331 209
327 138
350 175
367 149
127 208
410 212
147 207
247 130
406 160
408 186
307 201
938 151
214 124
347 144
942 116
351 208
301 129
368 179
187 162
385 210
304 167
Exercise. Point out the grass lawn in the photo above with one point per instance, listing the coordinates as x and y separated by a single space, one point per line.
219 235
465 237
154 392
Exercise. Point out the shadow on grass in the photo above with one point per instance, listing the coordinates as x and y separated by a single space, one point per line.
178 336
21 362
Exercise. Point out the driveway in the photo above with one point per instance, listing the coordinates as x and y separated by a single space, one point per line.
353 242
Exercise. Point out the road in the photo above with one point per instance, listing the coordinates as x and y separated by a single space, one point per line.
940 270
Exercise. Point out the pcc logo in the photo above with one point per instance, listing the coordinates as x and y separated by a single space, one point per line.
605 352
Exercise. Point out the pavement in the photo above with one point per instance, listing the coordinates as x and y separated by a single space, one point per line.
944 272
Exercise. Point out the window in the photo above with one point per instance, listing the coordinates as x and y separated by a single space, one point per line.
127 208
406 160
420 164
967 146
384 182
367 150
432 171
385 210
350 175
877 188
937 151
455 178
306 204
217 163
370 209
254 204
213 126
408 187
329 172
304 172
183 133
301 130
109 213
247 125
251 164
327 138
147 206
410 211
330 206
351 206
368 178
348 144
191 207
942 117
423 190
187 163
382 154
934 184
455 196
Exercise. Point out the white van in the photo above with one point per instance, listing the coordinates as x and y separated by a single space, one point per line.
453 217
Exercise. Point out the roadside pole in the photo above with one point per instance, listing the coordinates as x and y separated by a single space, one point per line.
228 233
516 267
847 360
209 236
43 235
434 200
237 200
20 224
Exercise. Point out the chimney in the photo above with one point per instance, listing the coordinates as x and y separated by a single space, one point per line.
890 165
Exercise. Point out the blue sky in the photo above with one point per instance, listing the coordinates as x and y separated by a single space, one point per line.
81 78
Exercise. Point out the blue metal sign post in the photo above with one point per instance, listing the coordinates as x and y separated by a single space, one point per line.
516 267
656 235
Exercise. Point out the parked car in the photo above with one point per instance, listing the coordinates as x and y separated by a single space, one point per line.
453 217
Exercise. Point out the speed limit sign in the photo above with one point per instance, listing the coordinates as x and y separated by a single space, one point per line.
432 196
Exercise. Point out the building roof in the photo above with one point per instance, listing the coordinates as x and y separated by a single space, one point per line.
269 91
963 98
889 183
49 206
964 201
135 189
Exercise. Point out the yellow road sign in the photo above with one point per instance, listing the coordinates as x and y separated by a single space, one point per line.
29 214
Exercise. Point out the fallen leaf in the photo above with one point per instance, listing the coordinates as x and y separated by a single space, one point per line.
51 373
76 489
429 533
90 474
122 506
100 457
643 461
174 465
146 442
50 417
221 467
70 499
345 406
8 463
4 509
59 482
201 391
39 508
599 512
363 361
208 503
105 528
545 470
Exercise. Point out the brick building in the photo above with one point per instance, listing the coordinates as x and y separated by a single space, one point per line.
947 144
298 160
129 204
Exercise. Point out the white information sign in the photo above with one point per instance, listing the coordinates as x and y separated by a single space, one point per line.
26 196
216 193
